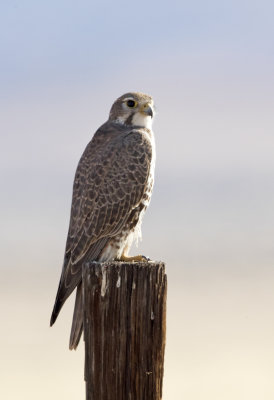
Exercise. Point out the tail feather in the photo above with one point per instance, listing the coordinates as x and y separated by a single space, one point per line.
77 322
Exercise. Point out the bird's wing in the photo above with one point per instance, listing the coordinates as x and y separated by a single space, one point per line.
110 181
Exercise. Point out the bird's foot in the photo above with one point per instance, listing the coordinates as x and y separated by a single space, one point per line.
134 258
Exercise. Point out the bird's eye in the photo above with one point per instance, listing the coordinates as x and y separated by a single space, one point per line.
131 103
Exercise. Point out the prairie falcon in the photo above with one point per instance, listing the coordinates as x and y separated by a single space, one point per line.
112 189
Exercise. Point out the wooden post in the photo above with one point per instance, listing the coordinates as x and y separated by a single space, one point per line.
124 330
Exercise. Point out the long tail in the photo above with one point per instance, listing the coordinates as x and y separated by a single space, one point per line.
77 322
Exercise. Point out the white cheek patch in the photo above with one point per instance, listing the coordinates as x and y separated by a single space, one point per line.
142 120
121 120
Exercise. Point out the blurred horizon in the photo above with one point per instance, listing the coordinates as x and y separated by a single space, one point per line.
209 67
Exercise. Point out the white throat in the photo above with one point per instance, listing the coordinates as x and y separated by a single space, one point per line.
142 120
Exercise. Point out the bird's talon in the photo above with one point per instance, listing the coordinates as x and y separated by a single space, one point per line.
138 258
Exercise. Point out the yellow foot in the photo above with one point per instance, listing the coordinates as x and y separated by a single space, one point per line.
134 258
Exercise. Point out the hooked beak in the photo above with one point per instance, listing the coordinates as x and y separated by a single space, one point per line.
147 110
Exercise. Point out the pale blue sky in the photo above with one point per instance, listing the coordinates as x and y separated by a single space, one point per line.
56 42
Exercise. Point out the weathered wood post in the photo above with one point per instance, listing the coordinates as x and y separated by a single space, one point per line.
124 330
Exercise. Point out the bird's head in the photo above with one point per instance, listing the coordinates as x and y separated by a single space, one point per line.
133 109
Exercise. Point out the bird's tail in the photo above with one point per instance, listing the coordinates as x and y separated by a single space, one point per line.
77 321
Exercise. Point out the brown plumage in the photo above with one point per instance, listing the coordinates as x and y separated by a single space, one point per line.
112 189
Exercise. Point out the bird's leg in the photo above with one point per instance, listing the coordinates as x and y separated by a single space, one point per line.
124 257
134 258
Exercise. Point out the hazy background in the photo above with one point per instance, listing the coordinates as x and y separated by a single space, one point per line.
209 66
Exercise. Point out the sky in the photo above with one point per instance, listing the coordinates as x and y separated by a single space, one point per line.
209 67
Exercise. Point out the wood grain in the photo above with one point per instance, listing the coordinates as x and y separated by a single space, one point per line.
124 330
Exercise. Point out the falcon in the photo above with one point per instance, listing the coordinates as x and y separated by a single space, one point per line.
111 191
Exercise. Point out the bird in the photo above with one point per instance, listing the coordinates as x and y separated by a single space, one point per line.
112 189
